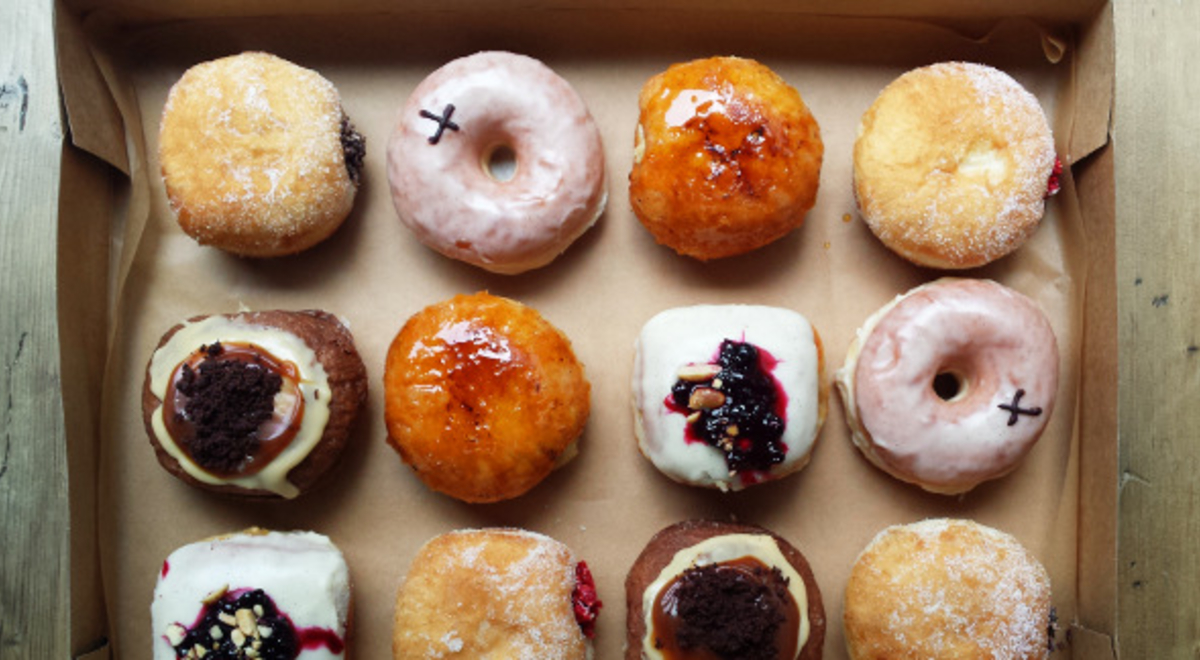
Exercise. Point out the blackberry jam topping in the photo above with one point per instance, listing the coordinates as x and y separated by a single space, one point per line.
732 610
354 146
244 624
221 407
735 405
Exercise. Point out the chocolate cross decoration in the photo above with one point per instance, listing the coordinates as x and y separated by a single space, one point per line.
443 122
1015 410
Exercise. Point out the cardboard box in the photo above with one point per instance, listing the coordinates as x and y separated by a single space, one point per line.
128 269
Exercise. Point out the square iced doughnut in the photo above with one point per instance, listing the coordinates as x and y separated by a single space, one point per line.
728 396
253 594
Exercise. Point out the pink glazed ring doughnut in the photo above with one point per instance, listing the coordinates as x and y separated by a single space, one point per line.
497 162
951 384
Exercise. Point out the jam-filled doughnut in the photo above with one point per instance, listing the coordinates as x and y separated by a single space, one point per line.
705 589
253 594
484 397
258 156
496 593
727 396
947 588
496 161
952 165
726 157
256 404
951 384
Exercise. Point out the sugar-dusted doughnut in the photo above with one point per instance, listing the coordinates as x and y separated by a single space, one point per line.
727 396
496 161
258 156
951 384
496 593
255 404
484 397
707 589
253 594
952 165
726 157
947 588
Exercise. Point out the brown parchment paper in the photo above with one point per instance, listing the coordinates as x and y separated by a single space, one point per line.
609 501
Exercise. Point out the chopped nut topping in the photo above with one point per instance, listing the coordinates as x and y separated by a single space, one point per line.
732 430
237 637
717 383
258 611
705 398
693 418
200 651
227 619
175 634
697 373
246 622
215 632
215 595
265 632
251 653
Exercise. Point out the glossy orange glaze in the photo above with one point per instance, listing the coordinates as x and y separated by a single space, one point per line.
727 157
274 435
482 397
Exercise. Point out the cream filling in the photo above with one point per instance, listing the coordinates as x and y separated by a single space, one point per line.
715 550
313 385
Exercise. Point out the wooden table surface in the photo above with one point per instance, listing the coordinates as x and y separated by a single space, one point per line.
1157 138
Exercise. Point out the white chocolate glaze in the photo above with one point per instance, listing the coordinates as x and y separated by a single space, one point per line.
445 193
303 572
715 550
314 385
693 335
996 340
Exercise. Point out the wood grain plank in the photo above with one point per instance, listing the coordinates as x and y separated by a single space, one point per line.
34 577
1157 137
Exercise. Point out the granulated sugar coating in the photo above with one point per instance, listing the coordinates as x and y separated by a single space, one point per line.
947 589
494 593
951 165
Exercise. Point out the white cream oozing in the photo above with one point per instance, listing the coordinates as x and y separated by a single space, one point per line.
693 335
303 572
314 385
715 550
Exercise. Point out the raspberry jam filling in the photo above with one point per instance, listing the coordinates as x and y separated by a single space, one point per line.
232 407
733 610
585 601
1052 185
734 404
246 624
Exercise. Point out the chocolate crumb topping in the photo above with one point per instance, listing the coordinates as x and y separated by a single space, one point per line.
733 612
227 401
354 146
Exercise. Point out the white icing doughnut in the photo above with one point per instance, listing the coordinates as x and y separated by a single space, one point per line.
441 163
303 573
985 343
686 339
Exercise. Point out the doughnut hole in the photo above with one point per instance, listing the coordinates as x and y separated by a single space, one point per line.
950 385
500 162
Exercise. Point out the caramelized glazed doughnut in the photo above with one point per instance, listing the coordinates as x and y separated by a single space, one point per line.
257 155
947 589
450 179
951 384
495 593
253 594
726 157
257 404
951 165
705 589
484 397
728 396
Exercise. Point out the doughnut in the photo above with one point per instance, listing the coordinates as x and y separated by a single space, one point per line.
496 161
950 384
253 594
947 589
496 593
726 158
483 397
704 589
952 165
258 156
728 396
255 404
